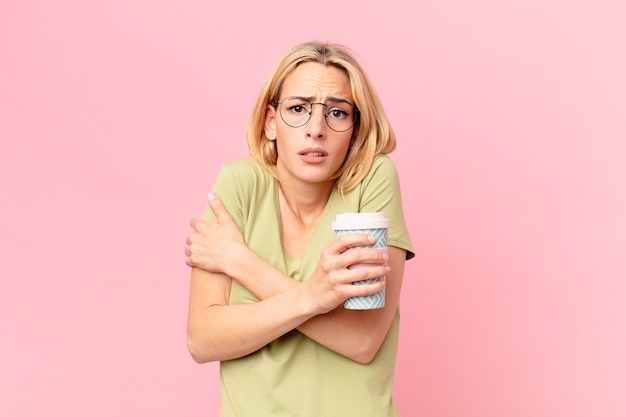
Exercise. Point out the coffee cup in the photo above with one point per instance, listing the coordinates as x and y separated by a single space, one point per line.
375 224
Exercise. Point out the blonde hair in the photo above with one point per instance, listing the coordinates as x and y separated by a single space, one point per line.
372 134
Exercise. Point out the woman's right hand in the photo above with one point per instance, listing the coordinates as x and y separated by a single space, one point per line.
331 283
213 245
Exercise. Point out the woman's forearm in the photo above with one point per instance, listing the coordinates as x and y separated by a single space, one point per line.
354 334
218 331
256 274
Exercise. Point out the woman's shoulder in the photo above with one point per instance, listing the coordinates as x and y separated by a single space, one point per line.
242 164
241 181
384 161
246 169
382 168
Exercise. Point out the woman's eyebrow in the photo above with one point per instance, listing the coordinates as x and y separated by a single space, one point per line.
329 99
338 100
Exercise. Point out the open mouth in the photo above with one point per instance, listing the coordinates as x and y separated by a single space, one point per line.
313 152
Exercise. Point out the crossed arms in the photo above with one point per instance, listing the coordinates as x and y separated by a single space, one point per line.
219 331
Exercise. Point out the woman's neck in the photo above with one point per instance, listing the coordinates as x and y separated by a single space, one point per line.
301 209
306 202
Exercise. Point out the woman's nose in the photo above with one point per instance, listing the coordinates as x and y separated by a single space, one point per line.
317 123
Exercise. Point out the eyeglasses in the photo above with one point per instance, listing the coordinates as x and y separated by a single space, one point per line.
340 115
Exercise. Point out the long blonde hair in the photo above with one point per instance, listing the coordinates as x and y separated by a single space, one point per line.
372 133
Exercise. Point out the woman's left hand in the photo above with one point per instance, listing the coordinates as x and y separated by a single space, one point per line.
213 245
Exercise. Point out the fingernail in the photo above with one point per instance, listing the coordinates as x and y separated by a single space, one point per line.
211 196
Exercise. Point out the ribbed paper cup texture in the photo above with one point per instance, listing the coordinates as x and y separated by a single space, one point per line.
375 224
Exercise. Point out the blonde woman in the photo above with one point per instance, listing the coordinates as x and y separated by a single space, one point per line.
269 278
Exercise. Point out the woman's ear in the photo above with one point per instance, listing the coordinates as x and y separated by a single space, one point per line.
270 122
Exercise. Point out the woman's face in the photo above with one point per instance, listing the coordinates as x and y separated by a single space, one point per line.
312 153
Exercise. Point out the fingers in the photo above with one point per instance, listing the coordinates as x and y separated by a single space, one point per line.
366 256
359 252
361 273
364 288
218 209
361 265
188 253
366 279
348 241
195 221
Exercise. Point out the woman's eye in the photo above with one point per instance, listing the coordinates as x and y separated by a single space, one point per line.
338 114
298 109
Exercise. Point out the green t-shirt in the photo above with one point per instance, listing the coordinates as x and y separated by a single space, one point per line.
294 376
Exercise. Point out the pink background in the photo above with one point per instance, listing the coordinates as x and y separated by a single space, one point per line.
115 117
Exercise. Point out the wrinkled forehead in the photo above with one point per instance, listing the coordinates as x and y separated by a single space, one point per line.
317 82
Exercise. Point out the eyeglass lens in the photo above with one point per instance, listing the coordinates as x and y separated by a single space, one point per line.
296 112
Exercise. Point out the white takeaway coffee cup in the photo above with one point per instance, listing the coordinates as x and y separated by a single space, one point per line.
375 224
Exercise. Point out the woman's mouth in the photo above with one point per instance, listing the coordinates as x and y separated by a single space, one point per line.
314 156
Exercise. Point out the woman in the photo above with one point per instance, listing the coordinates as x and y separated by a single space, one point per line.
269 278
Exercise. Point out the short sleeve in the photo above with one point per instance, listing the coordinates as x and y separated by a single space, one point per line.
380 191
230 187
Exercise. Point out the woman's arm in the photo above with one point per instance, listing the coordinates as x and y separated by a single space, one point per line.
356 334
219 331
